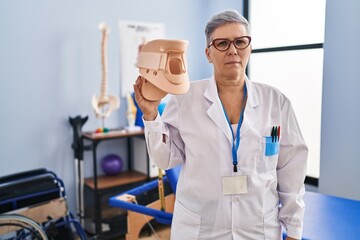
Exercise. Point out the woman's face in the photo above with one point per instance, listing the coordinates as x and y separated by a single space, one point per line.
229 64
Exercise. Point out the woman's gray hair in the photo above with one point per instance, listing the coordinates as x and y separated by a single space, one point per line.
228 16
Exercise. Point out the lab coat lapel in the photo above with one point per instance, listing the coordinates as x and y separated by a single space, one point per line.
215 110
250 114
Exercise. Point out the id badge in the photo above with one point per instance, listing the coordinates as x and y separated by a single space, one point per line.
235 184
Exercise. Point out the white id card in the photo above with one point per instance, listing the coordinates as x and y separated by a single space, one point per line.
234 184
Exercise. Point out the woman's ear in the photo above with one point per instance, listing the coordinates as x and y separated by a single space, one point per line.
207 52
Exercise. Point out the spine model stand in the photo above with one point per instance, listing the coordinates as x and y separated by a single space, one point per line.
104 104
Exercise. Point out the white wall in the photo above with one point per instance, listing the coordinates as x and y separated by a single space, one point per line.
340 160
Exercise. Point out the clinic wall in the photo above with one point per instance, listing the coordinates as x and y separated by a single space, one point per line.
50 67
340 161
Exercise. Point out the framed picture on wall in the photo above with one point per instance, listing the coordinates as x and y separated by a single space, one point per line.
132 36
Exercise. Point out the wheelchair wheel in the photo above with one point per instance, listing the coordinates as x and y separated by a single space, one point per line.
16 227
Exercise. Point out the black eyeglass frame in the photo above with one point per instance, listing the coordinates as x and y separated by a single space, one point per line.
231 42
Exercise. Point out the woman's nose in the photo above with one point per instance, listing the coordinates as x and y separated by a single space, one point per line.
232 49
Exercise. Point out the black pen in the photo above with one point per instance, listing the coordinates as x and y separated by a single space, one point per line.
272 134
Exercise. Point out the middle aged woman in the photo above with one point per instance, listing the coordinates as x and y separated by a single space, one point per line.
241 177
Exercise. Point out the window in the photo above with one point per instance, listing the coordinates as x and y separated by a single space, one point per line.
287 53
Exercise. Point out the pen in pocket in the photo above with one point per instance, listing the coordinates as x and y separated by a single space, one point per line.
275 134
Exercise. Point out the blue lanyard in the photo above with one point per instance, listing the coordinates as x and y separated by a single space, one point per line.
236 141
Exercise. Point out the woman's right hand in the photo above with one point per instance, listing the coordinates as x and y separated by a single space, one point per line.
149 108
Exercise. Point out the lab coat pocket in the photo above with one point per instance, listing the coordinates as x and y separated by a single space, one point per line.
271 148
272 227
186 224
268 155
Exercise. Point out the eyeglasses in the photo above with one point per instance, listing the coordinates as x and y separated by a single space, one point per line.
223 44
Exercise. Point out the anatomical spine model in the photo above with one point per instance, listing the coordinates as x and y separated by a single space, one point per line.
104 104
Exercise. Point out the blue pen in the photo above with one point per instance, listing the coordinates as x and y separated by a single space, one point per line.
275 134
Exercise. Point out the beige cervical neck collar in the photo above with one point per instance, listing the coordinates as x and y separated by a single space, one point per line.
162 63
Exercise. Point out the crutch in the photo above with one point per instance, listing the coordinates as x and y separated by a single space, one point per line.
78 147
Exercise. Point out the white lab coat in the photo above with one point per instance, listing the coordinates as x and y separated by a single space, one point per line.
198 137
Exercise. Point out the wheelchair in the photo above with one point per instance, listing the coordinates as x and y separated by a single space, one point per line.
33 206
